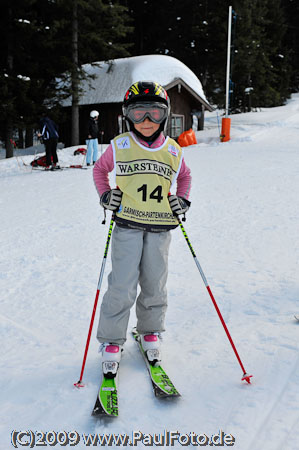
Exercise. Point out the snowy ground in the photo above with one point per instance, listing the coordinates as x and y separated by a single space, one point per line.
243 225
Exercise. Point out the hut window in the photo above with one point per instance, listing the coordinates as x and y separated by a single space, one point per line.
176 125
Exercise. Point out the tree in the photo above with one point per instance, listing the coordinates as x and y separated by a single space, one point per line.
103 25
42 52
13 82
291 40
99 30
195 32
27 65
75 75
259 71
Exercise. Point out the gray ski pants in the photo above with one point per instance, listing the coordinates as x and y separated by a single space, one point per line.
137 257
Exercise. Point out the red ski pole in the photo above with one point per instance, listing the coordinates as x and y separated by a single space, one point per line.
79 383
245 377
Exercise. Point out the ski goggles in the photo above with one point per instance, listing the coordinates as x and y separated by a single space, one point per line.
138 112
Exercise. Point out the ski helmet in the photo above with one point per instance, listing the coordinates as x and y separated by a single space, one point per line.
146 92
94 114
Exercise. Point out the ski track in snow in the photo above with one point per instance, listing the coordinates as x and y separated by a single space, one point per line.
243 226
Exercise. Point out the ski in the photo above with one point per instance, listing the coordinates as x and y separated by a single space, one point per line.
53 169
162 385
43 168
75 166
106 404
34 167
297 317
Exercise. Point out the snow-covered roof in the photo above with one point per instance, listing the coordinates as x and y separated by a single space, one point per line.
112 80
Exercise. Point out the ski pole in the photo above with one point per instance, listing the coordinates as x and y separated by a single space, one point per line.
84 157
245 377
79 383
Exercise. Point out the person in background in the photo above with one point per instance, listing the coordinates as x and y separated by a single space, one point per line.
49 135
147 165
92 138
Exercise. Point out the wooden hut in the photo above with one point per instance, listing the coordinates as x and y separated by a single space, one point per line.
105 93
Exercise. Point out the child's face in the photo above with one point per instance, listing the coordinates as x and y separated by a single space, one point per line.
147 128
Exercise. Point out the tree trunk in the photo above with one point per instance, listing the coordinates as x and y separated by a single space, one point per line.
21 138
75 78
29 137
10 62
9 138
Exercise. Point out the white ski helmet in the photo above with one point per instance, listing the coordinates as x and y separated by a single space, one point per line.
94 114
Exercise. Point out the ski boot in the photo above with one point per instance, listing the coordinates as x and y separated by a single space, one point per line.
151 346
111 355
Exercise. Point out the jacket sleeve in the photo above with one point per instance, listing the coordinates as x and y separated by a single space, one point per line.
101 170
184 181
43 130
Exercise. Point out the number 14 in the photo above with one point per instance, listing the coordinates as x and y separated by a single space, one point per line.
156 194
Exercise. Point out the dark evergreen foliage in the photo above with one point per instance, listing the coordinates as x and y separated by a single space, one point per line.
36 51
260 67
291 40
195 32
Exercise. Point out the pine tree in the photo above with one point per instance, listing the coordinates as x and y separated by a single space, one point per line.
28 64
259 71
195 32
291 40
36 52
97 30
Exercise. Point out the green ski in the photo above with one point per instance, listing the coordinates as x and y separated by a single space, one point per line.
162 385
107 400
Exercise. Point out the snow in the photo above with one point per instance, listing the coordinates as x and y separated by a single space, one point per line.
112 80
243 226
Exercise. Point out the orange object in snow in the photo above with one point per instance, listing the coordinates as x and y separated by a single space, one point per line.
225 129
187 138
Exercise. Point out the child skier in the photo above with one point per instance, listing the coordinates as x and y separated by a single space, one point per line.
146 166
92 138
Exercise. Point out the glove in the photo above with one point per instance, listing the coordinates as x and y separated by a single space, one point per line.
111 199
178 205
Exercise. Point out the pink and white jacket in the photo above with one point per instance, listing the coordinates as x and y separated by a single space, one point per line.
105 165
